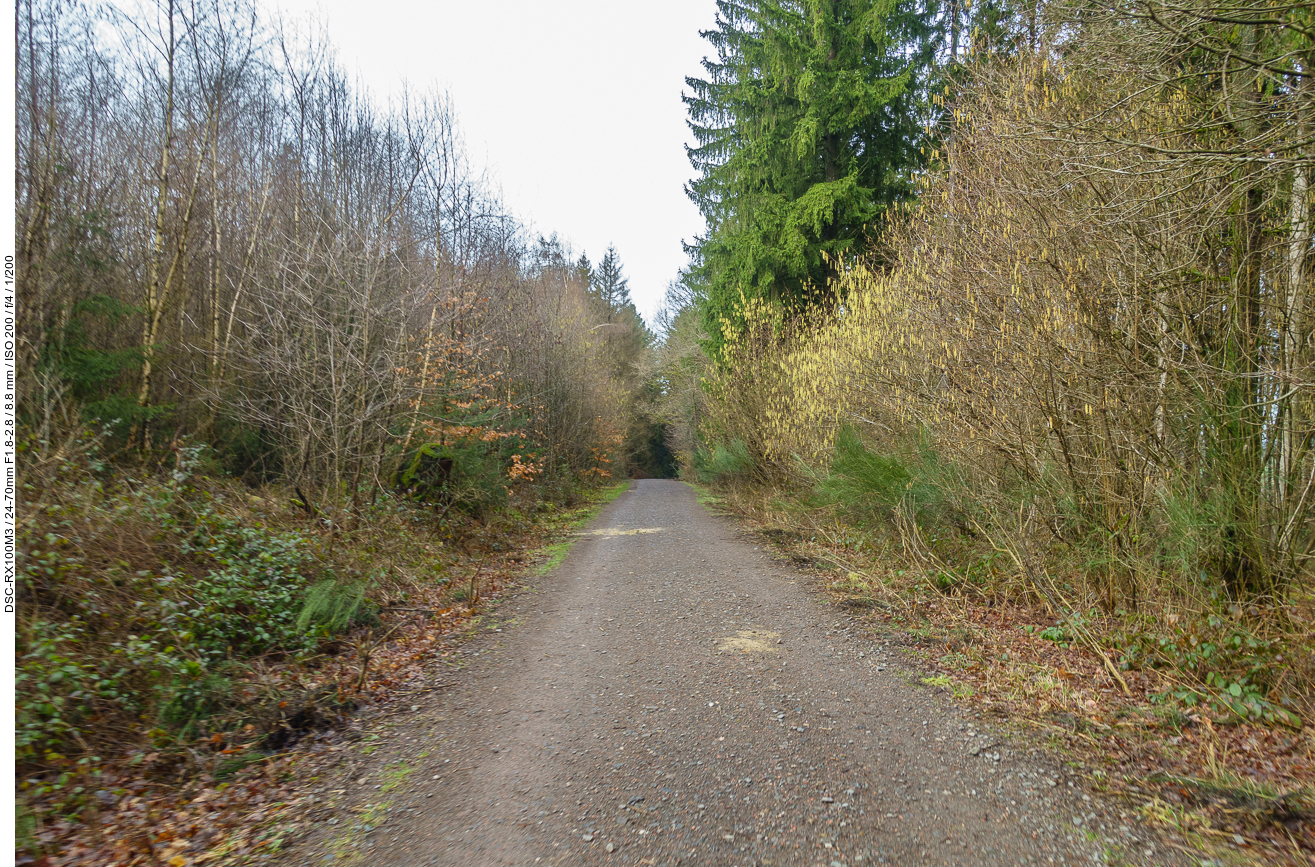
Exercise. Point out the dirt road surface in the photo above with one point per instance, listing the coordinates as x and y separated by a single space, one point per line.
672 695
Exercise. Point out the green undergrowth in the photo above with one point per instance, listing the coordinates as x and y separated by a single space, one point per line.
141 599
723 463
166 611
868 487
910 532
1004 607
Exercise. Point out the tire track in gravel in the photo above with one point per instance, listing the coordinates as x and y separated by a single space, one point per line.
671 695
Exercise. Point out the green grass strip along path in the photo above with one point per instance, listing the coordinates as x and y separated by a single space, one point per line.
572 520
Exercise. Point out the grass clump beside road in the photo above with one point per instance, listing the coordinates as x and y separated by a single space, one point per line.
550 556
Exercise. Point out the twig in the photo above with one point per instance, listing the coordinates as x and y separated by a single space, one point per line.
304 501
1063 606
366 653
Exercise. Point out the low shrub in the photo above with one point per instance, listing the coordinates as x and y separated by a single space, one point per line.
724 463
867 486
249 600
332 606
1224 663
470 476
137 599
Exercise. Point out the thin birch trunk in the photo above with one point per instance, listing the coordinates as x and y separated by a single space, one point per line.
1293 324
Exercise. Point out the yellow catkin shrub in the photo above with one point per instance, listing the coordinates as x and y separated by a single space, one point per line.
1052 322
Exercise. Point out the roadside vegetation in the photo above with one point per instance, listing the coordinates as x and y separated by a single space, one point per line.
297 396
1050 414
182 631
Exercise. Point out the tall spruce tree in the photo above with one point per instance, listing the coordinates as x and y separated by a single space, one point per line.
584 271
627 335
808 128
611 289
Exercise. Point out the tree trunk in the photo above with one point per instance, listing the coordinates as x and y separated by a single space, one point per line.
155 288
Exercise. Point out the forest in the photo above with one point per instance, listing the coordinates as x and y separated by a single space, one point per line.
1061 344
285 362
1001 314
1002 320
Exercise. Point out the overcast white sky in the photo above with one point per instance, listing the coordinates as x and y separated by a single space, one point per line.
573 107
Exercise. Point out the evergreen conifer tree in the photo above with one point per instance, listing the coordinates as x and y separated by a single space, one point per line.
610 287
808 128
584 271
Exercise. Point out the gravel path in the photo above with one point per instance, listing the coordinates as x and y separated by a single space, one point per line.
672 695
